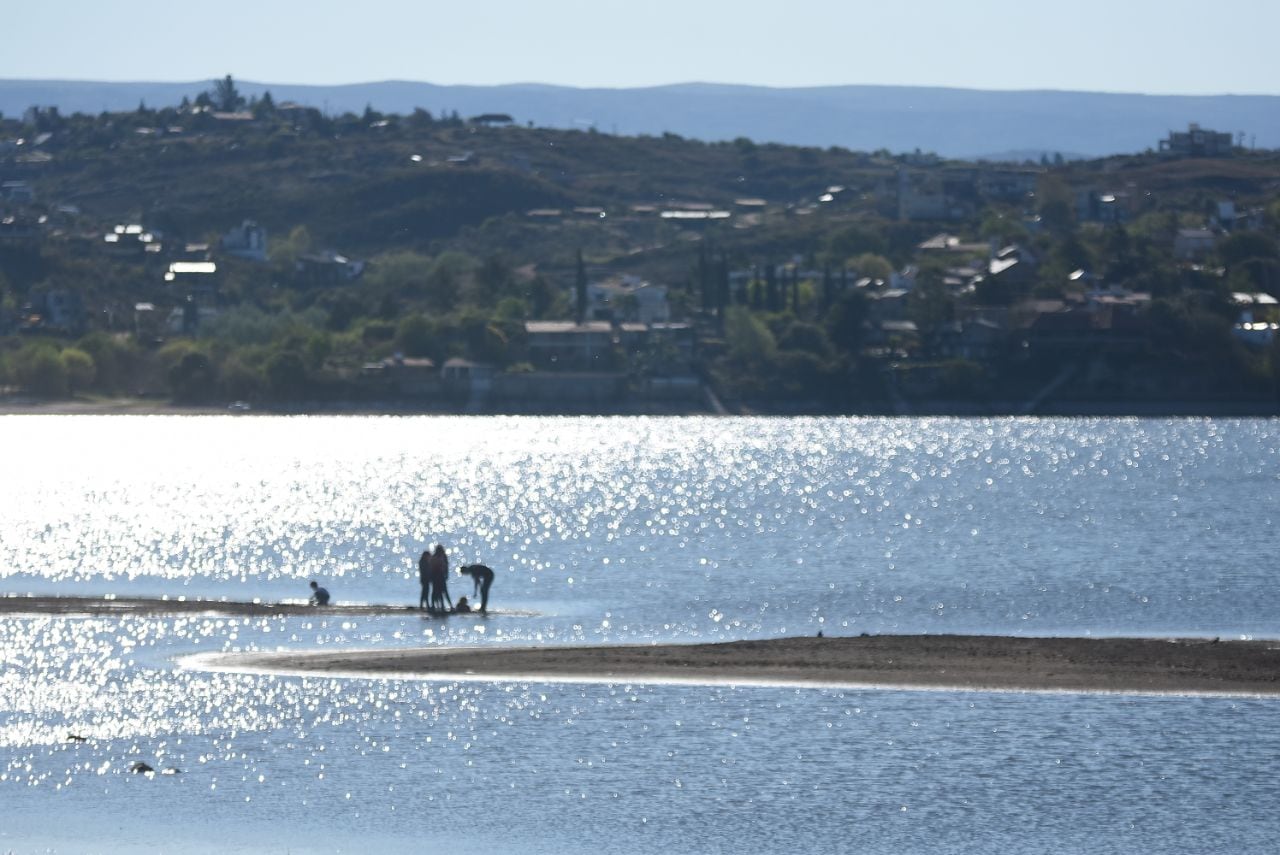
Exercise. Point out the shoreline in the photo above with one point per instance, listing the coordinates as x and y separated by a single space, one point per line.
916 409
943 662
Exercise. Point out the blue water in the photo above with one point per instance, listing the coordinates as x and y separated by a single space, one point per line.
631 530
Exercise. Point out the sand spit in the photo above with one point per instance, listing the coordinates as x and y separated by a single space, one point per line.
1130 665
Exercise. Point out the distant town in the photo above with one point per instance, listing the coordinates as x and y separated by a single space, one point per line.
242 254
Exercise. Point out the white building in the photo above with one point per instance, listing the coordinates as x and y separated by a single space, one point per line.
628 298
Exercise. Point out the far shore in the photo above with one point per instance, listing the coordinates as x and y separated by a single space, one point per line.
965 409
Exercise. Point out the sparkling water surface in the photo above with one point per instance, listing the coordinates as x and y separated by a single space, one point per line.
629 530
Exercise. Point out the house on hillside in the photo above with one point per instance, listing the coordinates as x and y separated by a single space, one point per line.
1196 141
1105 207
247 240
1259 319
949 243
567 346
1191 244
491 119
1009 184
628 298
403 376
198 279
327 268
975 339
131 239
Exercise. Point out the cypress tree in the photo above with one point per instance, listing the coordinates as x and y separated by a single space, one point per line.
580 290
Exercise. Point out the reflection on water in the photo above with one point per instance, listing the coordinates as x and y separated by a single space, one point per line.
318 763
661 528
629 530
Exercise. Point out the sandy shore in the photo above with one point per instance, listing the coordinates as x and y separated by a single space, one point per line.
938 661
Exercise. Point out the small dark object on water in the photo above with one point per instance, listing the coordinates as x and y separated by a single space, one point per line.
819 633
171 770
140 768
75 737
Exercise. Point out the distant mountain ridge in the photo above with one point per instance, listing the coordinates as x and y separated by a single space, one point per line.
950 122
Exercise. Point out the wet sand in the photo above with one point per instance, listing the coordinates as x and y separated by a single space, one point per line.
937 661
930 661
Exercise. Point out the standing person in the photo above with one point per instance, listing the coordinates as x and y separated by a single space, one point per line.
440 579
424 576
483 577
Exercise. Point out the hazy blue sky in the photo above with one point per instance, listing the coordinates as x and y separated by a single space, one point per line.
1156 46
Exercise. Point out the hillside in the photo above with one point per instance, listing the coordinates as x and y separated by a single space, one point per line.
951 122
799 278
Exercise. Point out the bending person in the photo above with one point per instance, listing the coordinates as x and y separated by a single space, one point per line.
319 596
483 577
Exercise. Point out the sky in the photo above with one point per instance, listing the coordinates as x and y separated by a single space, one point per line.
1192 47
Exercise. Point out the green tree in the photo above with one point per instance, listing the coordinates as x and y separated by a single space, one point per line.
809 338
225 97
492 280
451 273
39 370
192 380
844 321
114 360
929 304
287 375
1055 205
80 369
239 380
747 338
853 240
871 265
580 290
416 336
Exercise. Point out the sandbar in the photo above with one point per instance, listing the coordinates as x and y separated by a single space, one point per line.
1001 663
1012 663
101 606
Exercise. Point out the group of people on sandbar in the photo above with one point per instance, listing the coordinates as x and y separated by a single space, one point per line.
433 572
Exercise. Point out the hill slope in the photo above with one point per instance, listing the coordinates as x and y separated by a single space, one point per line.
951 122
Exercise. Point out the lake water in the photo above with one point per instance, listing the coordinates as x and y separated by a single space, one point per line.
631 530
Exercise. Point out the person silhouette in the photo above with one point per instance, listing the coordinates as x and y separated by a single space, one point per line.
483 577
440 579
319 596
424 577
